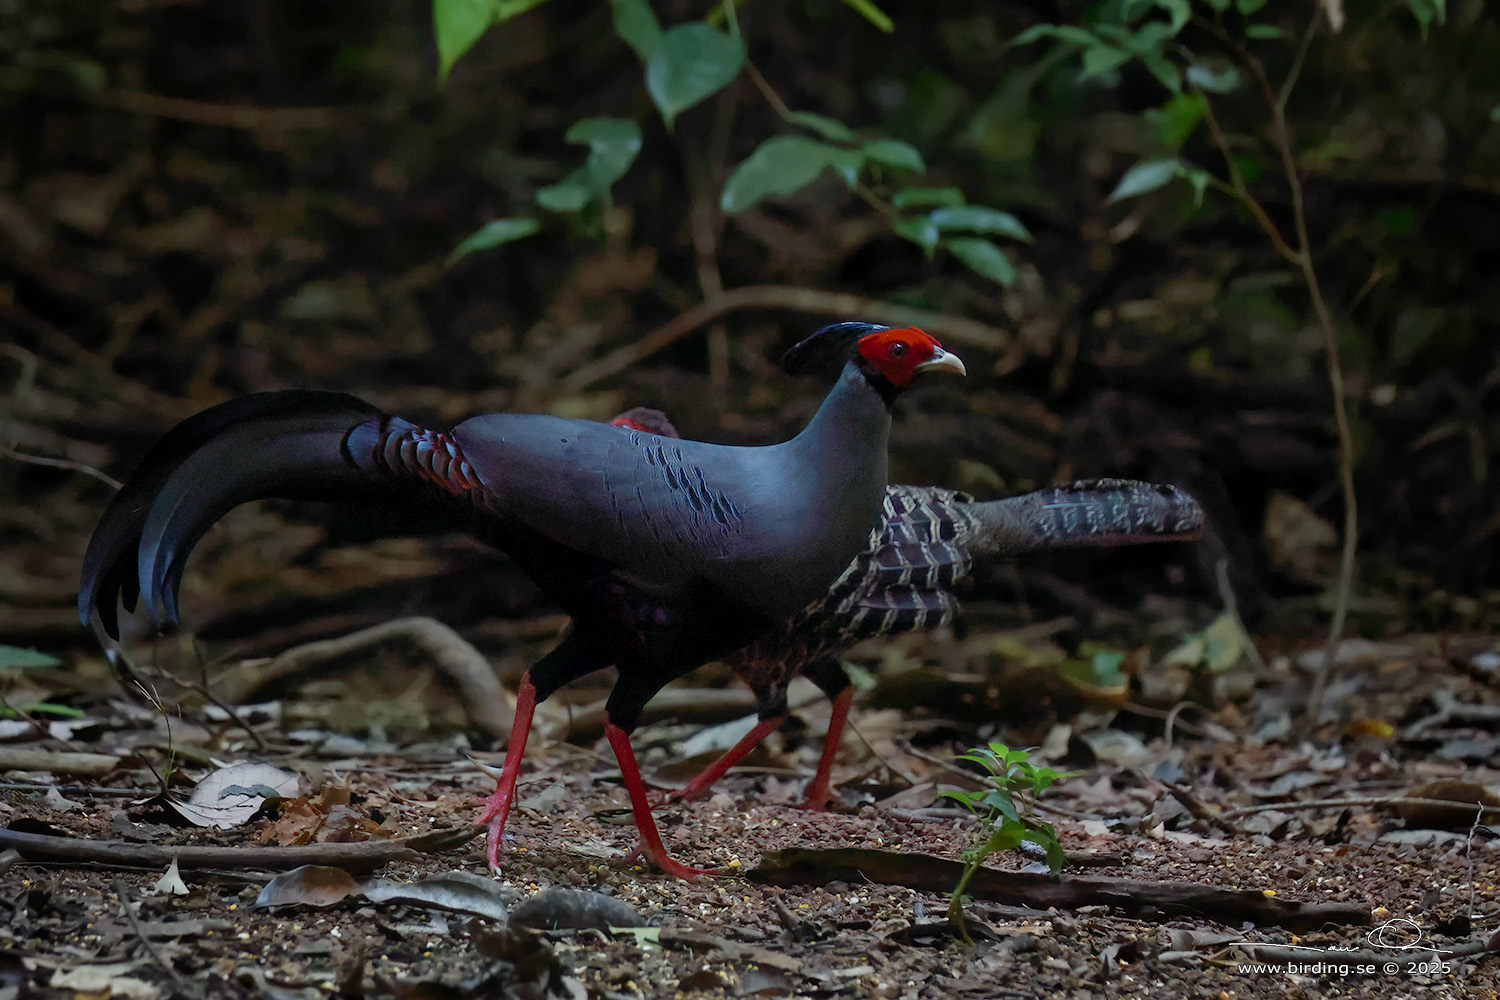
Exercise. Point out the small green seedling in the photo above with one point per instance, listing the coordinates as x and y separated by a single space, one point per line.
1005 808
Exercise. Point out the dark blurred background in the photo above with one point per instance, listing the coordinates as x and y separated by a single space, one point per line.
202 199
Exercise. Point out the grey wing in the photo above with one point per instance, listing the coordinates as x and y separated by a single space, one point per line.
647 504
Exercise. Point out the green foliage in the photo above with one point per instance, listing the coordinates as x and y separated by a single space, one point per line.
783 165
613 146
878 17
458 24
637 26
491 235
1005 807
42 708
688 63
971 223
16 657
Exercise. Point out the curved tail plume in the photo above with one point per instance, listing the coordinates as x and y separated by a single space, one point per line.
293 444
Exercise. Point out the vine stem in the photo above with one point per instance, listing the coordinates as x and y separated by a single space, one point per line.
1301 257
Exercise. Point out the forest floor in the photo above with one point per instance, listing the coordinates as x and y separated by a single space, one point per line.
1365 897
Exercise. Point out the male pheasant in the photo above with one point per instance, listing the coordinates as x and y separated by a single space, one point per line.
666 553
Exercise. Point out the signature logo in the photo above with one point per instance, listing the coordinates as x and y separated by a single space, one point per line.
1397 934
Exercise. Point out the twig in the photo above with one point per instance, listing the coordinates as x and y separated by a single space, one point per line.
360 856
1276 100
202 689
1359 801
249 117
809 300
60 463
1201 810
1335 377
135 925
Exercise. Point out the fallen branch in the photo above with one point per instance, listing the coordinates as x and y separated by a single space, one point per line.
944 326
484 697
1136 897
95 765
362 856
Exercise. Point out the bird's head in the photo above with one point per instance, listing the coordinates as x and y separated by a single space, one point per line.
889 357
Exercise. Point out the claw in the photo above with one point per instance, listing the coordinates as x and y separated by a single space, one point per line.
486 768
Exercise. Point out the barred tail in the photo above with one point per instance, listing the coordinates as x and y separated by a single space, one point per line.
1090 513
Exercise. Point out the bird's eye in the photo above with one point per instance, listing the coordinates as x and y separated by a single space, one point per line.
898 350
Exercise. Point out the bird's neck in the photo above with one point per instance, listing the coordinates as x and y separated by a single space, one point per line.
853 424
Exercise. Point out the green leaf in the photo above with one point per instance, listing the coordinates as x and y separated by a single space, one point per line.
571 194
783 165
52 708
1046 838
1248 7
1200 179
1062 32
491 235
969 800
1002 804
690 63
637 26
1264 32
940 197
829 128
1005 837
1099 59
1428 11
457 25
983 257
894 153
978 219
1176 120
922 232
1179 11
1145 177
1219 6
873 14
15 656
1214 79
613 146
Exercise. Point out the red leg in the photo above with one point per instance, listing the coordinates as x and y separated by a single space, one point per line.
819 791
651 845
732 756
497 806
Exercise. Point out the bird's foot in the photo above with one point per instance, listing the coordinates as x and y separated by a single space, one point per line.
663 862
817 800
688 792
495 809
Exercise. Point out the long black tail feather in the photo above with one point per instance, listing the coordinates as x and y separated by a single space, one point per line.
292 444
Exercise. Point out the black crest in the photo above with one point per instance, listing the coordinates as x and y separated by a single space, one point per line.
832 344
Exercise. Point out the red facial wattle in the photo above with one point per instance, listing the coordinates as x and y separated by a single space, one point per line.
900 355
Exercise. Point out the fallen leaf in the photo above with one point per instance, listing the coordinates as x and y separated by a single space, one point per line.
231 795
105 980
170 883
456 891
310 885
